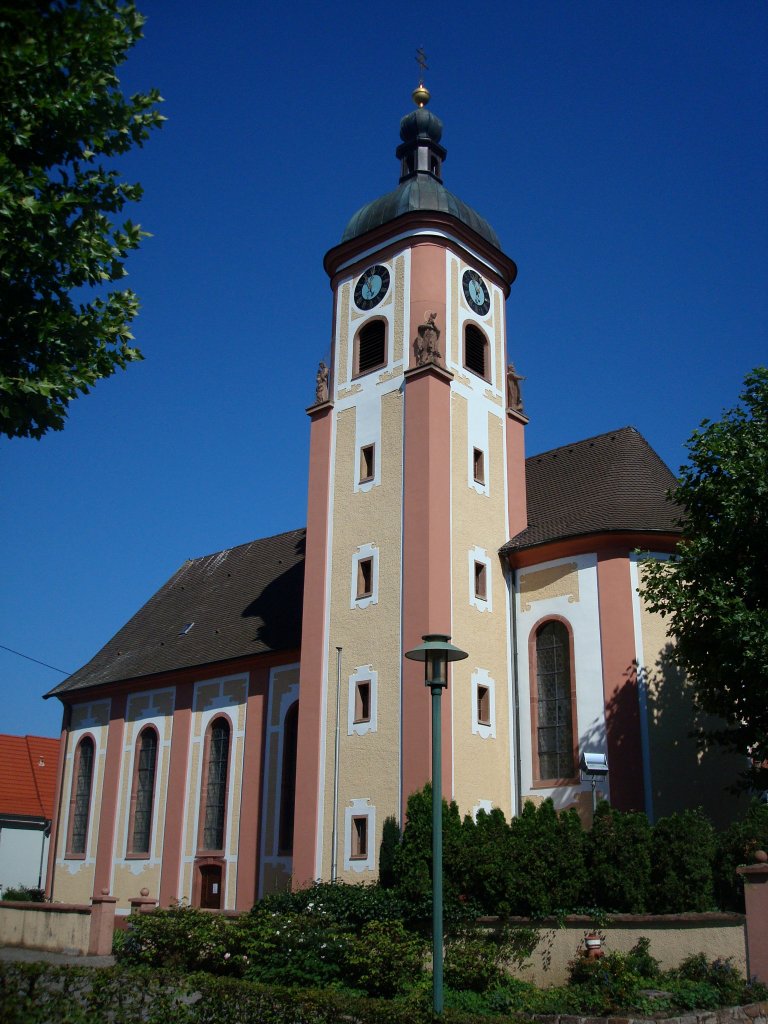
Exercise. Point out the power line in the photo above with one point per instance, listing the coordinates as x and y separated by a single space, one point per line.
45 664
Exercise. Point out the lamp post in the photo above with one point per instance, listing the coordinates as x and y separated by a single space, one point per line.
436 652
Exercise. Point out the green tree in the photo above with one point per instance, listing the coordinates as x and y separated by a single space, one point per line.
682 856
63 118
715 590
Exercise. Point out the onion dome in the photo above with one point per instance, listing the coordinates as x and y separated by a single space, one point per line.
421 185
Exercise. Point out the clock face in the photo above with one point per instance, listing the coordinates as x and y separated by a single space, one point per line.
372 287
476 292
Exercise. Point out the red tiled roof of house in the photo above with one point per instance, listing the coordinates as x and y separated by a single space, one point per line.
28 778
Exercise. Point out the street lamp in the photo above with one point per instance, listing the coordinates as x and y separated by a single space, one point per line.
436 652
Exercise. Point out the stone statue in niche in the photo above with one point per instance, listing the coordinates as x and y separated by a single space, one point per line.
321 386
425 346
514 396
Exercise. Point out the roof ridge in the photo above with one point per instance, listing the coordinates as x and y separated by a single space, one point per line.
239 547
586 440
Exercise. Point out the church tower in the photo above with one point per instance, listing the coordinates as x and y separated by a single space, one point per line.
416 481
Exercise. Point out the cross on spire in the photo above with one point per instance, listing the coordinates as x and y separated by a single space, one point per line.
421 60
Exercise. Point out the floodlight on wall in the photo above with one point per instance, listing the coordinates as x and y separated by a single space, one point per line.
592 763
593 766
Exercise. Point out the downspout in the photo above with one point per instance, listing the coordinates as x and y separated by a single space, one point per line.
57 837
512 585
45 834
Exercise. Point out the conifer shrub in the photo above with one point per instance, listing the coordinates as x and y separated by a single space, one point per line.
547 851
682 855
737 846
618 857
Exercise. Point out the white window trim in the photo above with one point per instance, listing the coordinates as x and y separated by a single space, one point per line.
363 673
482 805
482 604
474 484
359 808
363 552
480 677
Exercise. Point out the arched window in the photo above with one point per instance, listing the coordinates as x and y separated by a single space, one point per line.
554 702
476 351
371 347
214 787
80 802
143 792
288 779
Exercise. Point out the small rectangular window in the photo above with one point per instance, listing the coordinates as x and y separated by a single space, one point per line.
483 705
478 464
359 838
367 462
480 581
365 577
363 701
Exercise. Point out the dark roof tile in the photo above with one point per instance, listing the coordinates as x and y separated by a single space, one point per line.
614 482
243 601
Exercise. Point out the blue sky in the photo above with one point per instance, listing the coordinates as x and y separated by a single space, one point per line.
620 151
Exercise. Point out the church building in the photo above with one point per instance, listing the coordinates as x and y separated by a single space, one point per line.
254 724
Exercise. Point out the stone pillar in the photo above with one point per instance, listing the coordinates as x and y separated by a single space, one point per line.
756 898
142 903
102 924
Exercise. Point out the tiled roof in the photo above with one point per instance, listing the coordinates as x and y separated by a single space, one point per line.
28 778
614 482
248 600
235 603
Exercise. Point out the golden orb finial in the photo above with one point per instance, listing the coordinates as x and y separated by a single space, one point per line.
421 95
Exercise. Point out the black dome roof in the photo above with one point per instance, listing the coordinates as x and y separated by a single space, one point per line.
421 186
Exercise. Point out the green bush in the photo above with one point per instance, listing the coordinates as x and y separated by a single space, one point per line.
682 851
385 959
477 961
737 846
181 938
722 976
305 950
390 840
25 894
413 861
619 860
547 851
350 906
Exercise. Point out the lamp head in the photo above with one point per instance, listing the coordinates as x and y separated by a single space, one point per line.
436 652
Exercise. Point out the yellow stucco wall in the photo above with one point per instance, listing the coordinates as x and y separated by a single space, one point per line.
368 764
701 778
481 763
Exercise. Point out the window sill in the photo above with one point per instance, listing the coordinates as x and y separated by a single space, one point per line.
554 783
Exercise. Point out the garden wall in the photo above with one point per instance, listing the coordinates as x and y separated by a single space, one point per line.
57 927
673 937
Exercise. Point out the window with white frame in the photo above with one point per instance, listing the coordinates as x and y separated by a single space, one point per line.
480 592
362 701
483 693
365 577
359 835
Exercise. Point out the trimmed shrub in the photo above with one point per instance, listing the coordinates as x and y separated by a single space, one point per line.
618 859
682 852
347 905
737 846
547 853
477 963
390 840
24 894
385 959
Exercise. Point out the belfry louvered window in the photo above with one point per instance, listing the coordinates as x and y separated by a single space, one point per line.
371 346
554 712
216 785
475 351
143 791
81 796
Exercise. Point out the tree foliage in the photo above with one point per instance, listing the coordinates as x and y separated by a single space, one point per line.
715 590
63 118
